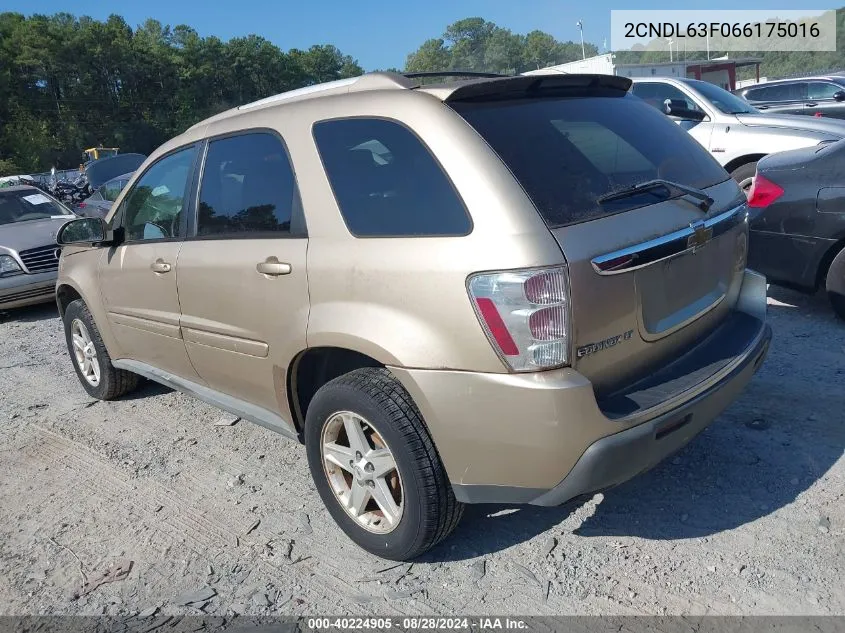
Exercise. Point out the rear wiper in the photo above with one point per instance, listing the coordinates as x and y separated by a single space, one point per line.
705 201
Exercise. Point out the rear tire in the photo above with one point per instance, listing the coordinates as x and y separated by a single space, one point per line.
425 510
89 356
744 176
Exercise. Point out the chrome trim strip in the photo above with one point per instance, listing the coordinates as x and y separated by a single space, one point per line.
669 245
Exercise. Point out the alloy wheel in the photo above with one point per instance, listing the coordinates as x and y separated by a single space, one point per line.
85 353
362 472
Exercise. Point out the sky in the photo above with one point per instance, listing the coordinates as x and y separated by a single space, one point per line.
378 33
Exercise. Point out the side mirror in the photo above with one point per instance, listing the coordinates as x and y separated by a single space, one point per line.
82 231
678 108
839 95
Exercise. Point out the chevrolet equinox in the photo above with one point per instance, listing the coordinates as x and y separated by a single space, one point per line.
501 289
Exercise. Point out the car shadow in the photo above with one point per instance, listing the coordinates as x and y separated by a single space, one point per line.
756 458
785 300
146 389
30 314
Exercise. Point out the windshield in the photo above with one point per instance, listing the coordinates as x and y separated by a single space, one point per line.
28 204
723 100
569 153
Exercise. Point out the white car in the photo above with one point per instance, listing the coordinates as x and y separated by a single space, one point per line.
733 131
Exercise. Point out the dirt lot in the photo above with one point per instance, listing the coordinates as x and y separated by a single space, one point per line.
749 519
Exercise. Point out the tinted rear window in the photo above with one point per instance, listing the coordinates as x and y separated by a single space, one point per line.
779 92
386 181
566 153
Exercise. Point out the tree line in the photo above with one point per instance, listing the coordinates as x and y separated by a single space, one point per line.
68 83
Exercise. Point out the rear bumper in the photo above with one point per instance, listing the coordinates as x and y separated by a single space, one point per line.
616 459
22 290
544 438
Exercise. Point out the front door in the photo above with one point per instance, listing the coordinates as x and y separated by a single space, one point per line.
242 282
138 278
821 100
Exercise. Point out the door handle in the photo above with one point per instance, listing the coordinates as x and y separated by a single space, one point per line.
811 105
273 267
160 266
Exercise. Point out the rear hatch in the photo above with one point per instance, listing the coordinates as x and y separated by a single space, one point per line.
652 270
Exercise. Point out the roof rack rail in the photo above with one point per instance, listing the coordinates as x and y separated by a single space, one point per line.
455 73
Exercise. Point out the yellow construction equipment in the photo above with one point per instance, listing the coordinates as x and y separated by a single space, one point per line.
95 153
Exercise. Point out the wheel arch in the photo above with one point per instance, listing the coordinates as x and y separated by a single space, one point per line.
833 261
743 160
314 367
66 293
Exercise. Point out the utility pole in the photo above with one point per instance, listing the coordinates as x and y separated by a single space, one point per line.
670 42
580 25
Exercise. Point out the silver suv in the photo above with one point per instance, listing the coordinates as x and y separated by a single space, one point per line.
514 290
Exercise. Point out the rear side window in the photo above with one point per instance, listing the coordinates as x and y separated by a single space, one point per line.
778 92
248 187
386 182
569 152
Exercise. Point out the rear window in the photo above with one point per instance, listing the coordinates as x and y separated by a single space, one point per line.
386 182
568 152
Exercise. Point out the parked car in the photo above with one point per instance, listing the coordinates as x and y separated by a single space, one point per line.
99 202
798 227
513 290
736 134
823 96
100 171
29 255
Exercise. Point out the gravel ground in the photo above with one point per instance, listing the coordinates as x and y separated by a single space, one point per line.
748 519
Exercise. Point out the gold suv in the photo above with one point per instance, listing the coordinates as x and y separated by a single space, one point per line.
501 289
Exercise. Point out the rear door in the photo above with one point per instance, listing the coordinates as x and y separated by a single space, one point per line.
784 98
652 272
242 281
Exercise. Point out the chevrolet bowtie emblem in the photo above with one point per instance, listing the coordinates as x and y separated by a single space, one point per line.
701 234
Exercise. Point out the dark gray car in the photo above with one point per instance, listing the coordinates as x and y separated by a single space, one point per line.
797 205
99 202
815 96
29 255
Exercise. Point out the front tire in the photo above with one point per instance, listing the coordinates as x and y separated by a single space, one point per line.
90 358
375 466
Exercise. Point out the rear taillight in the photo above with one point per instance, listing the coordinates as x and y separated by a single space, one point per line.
526 315
763 192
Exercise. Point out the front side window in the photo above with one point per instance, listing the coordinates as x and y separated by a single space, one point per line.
386 182
154 209
822 90
656 94
248 187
